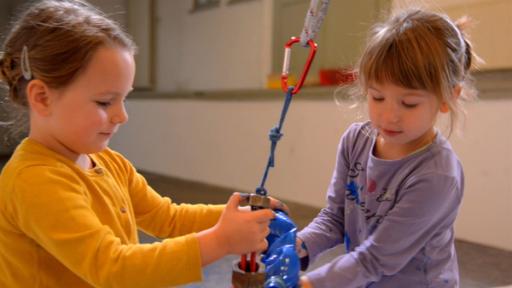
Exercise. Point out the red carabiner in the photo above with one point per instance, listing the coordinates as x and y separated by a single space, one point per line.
286 64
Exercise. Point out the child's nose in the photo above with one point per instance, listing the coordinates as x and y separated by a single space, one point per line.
392 113
120 115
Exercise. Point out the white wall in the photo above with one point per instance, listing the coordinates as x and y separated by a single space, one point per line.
215 49
485 151
139 26
226 143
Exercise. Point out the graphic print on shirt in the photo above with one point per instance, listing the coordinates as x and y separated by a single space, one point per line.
385 195
372 185
352 193
347 241
368 201
354 190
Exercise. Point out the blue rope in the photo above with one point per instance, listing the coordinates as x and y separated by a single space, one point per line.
275 135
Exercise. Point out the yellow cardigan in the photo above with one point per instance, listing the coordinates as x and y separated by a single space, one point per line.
62 226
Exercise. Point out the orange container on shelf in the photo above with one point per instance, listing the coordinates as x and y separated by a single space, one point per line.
274 81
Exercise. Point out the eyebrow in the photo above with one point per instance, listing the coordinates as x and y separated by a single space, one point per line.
114 93
373 88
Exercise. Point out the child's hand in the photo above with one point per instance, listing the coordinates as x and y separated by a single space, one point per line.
304 282
276 204
240 231
300 248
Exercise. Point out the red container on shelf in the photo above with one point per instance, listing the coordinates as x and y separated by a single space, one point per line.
330 77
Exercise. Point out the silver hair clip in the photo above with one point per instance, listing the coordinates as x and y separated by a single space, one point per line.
25 64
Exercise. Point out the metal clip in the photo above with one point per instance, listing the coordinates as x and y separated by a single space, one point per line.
286 64
25 64
254 200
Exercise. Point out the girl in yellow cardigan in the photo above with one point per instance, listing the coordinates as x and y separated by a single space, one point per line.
69 206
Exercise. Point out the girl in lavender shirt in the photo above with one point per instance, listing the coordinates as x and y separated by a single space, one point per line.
397 184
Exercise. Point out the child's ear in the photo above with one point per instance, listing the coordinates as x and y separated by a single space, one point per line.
38 97
445 108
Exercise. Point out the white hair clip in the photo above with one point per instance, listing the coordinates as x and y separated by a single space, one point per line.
25 64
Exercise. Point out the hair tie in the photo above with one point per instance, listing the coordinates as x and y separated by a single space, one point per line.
25 64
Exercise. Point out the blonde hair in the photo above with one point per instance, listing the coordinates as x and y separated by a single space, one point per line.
60 37
417 49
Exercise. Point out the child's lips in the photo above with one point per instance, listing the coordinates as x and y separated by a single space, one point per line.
110 133
391 132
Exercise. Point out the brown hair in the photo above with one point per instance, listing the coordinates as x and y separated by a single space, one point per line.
61 36
417 49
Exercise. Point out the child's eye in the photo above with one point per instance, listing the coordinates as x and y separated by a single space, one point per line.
409 105
377 98
103 103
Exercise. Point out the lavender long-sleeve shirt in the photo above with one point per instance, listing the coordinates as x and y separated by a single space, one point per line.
395 217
